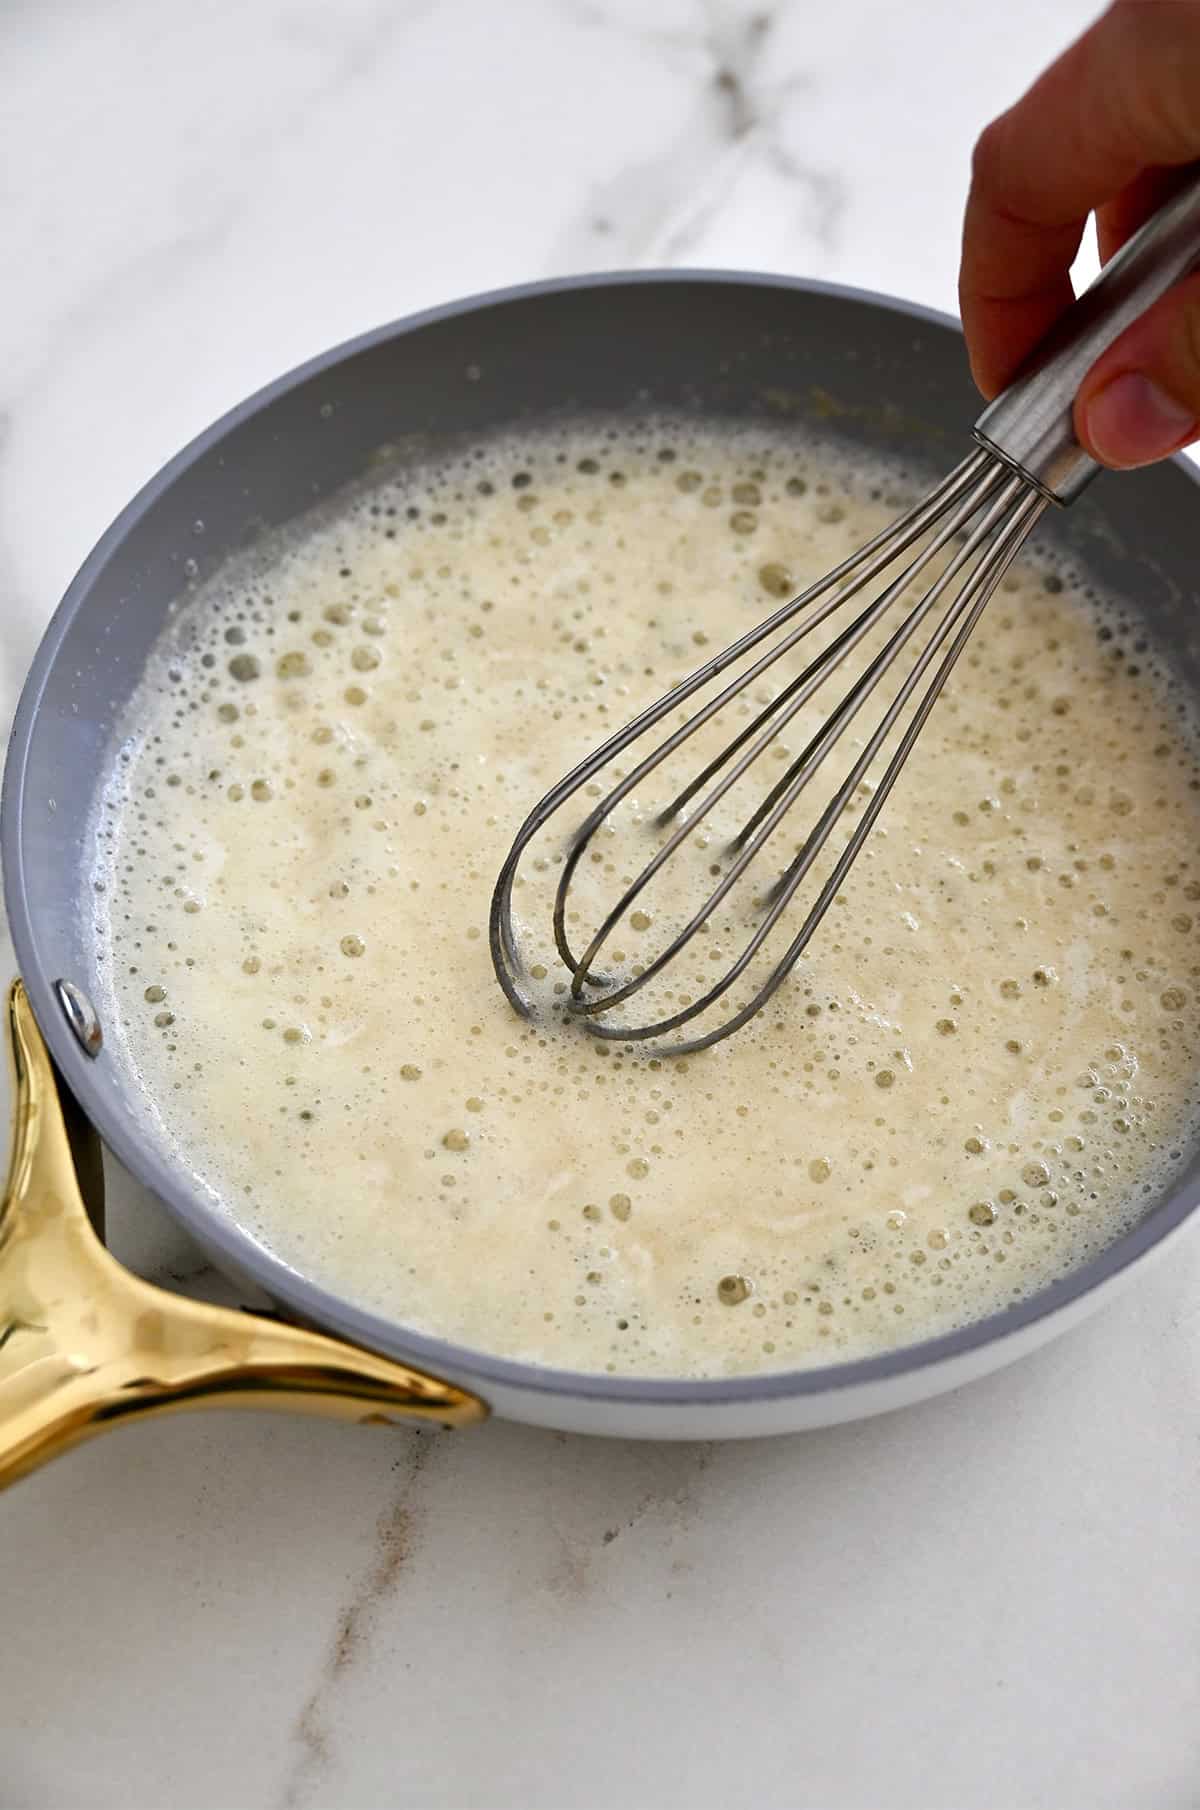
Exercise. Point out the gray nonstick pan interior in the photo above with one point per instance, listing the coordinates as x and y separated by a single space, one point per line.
888 375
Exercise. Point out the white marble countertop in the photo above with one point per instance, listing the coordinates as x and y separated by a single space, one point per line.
988 1602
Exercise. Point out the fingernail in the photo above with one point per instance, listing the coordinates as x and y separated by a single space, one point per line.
1133 422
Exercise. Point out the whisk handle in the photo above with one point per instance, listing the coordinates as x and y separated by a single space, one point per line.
1029 425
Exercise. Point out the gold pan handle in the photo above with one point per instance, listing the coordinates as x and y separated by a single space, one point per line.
85 1345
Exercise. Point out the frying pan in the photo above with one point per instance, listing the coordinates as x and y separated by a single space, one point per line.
82 1343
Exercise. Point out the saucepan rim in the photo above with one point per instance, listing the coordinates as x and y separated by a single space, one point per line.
217 1231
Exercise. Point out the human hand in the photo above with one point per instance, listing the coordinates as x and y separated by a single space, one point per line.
1105 129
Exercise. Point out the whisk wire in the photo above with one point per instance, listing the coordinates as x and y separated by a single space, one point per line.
746 845
971 603
923 518
982 504
783 708
770 813
868 560
847 708
789 882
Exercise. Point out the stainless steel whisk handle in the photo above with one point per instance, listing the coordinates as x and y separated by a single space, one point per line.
1029 425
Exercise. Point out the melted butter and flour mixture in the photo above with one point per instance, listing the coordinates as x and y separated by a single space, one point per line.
975 1079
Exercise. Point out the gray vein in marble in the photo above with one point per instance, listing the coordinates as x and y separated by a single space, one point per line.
578 1562
215 199
187 1274
677 46
396 1537
659 211
217 190
200 1280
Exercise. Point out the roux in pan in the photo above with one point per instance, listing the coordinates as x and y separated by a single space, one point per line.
971 1083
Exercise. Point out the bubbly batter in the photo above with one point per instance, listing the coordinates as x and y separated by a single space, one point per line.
978 1076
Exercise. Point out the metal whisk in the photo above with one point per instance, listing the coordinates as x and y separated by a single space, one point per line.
976 521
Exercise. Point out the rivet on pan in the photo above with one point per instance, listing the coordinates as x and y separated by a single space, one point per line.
80 1015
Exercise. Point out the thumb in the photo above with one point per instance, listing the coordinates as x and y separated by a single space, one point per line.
1141 400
